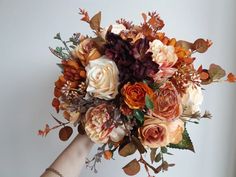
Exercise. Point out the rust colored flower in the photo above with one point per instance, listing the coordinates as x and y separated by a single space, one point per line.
134 94
86 51
73 71
126 110
167 104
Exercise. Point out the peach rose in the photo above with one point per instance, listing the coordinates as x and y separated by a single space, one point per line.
176 129
157 133
154 133
86 51
163 74
134 94
100 127
167 103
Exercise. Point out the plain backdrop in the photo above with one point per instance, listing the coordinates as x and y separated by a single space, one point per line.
28 71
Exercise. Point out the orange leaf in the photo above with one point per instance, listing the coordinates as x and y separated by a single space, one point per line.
189 60
45 131
85 15
132 168
56 104
199 70
231 77
144 17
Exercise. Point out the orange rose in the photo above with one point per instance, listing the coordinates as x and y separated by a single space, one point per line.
167 104
86 51
134 94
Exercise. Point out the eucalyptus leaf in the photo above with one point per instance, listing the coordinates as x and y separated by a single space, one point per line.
216 72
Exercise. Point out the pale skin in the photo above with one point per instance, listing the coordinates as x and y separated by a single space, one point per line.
71 161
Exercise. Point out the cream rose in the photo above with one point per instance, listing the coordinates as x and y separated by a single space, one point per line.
116 29
100 127
156 133
192 99
162 54
102 78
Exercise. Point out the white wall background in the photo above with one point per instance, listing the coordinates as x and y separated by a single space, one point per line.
28 71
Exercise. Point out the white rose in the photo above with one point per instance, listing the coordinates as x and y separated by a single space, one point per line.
116 29
118 133
192 99
102 78
162 54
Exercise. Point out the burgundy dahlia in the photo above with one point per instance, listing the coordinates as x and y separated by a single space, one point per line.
133 62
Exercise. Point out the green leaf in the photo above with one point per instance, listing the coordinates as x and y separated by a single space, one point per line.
216 72
148 102
59 49
186 143
127 150
153 154
158 157
164 150
139 115
58 36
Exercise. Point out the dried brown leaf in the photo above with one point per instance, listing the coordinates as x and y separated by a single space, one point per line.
132 168
184 44
127 150
95 22
200 45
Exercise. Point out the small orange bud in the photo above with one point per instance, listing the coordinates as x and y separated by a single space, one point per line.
108 154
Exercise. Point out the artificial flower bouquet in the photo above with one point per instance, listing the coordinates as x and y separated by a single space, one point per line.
131 88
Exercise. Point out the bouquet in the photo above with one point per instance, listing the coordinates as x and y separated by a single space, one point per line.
131 88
